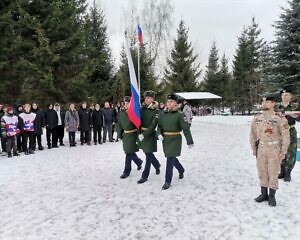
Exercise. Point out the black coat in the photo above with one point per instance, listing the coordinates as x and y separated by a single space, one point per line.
62 116
85 119
97 118
109 116
39 121
51 118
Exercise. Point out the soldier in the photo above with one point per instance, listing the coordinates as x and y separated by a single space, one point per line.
170 124
148 139
291 113
269 140
128 133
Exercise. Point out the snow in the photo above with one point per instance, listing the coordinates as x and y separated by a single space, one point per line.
76 193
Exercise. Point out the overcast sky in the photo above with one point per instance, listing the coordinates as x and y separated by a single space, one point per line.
207 20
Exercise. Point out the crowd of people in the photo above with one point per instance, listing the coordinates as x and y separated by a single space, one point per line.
22 126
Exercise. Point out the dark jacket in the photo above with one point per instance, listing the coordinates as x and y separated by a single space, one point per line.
51 118
109 116
39 121
62 116
85 119
97 118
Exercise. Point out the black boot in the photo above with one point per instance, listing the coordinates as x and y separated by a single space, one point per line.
282 172
124 175
287 175
166 186
16 154
272 200
142 180
263 196
181 175
157 171
9 155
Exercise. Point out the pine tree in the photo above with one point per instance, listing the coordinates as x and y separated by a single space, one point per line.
100 79
183 72
287 50
248 69
225 78
211 78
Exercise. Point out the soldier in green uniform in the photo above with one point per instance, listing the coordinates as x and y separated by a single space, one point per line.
128 133
292 114
148 138
170 124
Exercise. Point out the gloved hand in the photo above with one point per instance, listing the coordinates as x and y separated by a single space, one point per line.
141 137
160 137
190 146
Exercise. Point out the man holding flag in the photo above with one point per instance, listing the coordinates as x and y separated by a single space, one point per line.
128 133
130 119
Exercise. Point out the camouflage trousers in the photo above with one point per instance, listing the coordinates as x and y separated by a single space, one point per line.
268 165
290 159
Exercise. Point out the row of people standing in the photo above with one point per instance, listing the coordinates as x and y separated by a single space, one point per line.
88 121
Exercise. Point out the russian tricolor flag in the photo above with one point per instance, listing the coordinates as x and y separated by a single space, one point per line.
134 106
140 35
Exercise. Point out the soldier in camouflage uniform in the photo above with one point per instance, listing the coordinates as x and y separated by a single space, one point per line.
292 114
147 137
128 133
269 139
170 124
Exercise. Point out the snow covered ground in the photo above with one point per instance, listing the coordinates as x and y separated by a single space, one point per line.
76 193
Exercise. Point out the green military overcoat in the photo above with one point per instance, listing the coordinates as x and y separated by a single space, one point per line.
149 116
173 121
129 139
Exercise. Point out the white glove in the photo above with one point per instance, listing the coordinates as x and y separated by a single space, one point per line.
141 137
190 146
160 137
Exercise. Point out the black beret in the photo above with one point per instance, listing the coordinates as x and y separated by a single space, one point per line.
172 96
149 94
127 99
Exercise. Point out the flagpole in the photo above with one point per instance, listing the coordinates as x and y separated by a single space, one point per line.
139 73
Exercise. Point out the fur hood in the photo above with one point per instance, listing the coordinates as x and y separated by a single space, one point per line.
153 105
174 109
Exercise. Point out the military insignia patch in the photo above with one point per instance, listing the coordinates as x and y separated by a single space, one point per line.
286 126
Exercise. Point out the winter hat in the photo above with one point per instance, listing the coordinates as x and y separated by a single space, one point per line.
173 96
149 94
127 99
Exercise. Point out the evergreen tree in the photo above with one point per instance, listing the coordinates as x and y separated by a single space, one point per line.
183 72
248 69
287 48
211 78
99 80
225 78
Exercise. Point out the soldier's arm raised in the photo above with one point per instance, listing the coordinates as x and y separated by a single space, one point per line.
186 129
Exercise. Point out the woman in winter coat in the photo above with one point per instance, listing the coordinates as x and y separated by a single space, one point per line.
39 124
72 123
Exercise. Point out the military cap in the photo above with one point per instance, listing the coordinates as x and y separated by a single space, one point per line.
286 90
270 98
172 96
149 94
127 99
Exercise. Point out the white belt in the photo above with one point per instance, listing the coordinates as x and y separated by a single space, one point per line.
269 143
